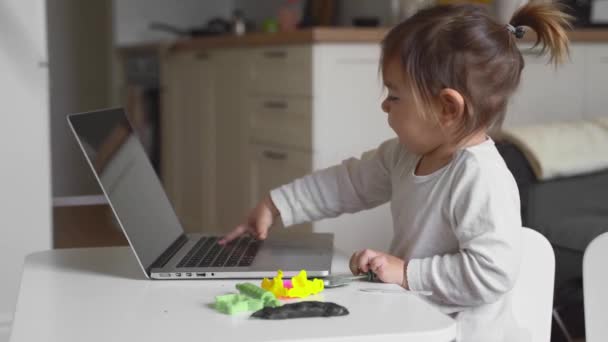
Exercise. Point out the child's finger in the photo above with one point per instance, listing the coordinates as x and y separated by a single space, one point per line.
238 231
354 261
377 264
364 259
261 228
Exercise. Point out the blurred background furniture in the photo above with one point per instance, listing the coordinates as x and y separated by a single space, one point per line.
532 294
85 221
570 212
5 331
595 284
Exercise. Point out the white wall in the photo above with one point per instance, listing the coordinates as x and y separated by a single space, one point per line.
132 17
24 143
347 9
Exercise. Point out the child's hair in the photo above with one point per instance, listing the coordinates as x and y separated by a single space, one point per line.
462 47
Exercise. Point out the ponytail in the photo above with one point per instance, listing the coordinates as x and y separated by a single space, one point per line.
550 24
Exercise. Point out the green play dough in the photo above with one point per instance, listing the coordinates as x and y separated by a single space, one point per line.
257 292
251 298
234 303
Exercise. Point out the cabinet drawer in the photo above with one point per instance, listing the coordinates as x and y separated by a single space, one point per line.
281 56
281 71
281 120
272 166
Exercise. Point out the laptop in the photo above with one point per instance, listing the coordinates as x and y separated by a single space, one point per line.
144 213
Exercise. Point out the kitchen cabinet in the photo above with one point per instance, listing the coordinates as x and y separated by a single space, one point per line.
231 168
283 120
278 112
282 70
271 166
331 113
278 117
189 137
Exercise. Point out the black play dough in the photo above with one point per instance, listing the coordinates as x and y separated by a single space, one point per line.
301 309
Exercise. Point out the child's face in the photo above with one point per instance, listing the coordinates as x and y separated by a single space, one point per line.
417 134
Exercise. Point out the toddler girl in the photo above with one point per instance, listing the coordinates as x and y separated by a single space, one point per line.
450 71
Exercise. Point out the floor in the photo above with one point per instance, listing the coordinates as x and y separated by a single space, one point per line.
85 226
574 318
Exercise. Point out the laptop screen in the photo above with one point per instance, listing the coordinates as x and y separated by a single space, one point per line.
128 180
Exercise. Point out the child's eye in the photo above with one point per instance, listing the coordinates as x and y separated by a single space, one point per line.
392 98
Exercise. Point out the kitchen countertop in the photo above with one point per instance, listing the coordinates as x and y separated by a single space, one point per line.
320 35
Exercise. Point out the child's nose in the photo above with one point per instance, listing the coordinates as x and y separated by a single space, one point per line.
385 106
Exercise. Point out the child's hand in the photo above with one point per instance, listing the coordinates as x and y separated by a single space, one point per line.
258 222
387 268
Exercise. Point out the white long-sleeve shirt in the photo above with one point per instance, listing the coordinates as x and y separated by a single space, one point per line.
458 228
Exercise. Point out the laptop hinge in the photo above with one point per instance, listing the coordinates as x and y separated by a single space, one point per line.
164 258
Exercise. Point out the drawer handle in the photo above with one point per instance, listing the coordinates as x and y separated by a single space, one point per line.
275 105
275 54
274 155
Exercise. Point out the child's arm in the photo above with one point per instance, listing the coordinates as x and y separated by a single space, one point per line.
257 223
354 185
486 220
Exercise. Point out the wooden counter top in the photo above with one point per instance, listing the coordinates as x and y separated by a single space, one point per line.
322 35
589 36
308 36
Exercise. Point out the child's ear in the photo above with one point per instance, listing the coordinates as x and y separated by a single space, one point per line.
452 107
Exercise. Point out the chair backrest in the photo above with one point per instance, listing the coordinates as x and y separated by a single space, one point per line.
595 285
532 295
5 330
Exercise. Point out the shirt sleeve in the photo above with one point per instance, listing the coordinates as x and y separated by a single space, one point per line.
354 185
485 216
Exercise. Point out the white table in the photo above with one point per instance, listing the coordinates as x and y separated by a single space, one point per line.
100 294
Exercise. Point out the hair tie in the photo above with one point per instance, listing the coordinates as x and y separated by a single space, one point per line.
518 31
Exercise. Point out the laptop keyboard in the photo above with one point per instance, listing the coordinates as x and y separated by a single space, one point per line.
208 253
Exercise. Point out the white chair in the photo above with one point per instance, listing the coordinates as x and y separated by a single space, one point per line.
595 285
5 331
532 295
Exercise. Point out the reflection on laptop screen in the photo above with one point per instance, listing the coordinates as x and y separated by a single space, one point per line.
128 180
